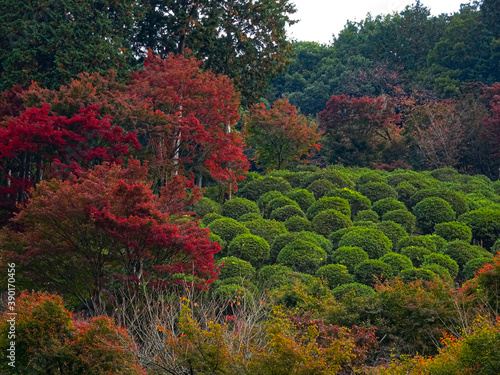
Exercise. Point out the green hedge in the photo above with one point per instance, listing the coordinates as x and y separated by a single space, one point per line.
329 221
303 197
277 203
249 217
398 262
457 201
237 207
376 191
373 241
416 254
227 228
485 225
394 231
461 252
265 198
349 256
431 211
357 201
474 265
302 256
385 205
415 274
335 275
286 212
298 224
371 271
403 217
422 241
254 189
274 276
267 229
454 230
320 188
326 203
443 260
249 247
208 218
205 206
235 267
366 215
353 289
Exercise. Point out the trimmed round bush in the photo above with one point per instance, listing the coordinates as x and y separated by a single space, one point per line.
474 265
303 197
208 218
286 212
405 191
249 177
485 225
417 179
280 242
232 292
446 174
335 275
329 221
227 228
320 188
254 189
277 203
235 267
431 211
415 274
385 205
318 239
357 201
365 224
274 276
302 256
394 231
461 252
366 215
250 248
457 201
443 260
215 238
354 289
453 230
442 272
416 254
403 217
421 241
398 262
338 178
267 229
349 256
373 241
236 207
265 198
337 235
297 224
249 217
205 206
371 176
439 241
371 271
327 203
376 191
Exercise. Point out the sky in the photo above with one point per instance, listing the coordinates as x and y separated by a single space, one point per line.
320 19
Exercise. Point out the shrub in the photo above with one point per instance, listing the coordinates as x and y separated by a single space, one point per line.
431 211
227 228
453 230
461 252
235 267
365 224
442 272
249 177
349 256
366 215
208 218
297 224
394 231
233 293
326 203
320 188
416 254
496 247
337 235
405 190
254 189
274 276
421 241
284 239
419 180
398 262
357 201
439 241
329 221
371 176
236 207
335 275
302 256
474 265
443 260
485 225
385 205
457 201
303 197
356 289
277 203
215 238
415 274
250 248
205 206
371 271
280 242
403 217
249 217
337 178
373 241
318 239
265 198
446 174
286 212
376 191
267 229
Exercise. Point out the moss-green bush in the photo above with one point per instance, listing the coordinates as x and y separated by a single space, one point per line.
227 228
485 225
457 201
417 179
249 217
365 224
403 217
303 197
277 203
461 252
421 241
453 230
440 271
236 207
215 238
205 206
286 212
318 239
284 239
354 289
439 241
326 203
329 221
371 271
415 274
254 189
398 262
405 191
267 229
335 275
446 174
496 247
265 198
373 241
443 260
320 188
416 254
249 247
394 231
298 224
233 293
431 211
385 205
349 256
376 191
357 201
235 267
474 265
208 218
371 176
249 177
274 276
366 215
338 178
302 256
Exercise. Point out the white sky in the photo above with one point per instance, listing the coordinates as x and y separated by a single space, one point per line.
320 19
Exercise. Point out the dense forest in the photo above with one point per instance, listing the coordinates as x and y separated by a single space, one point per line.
184 190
